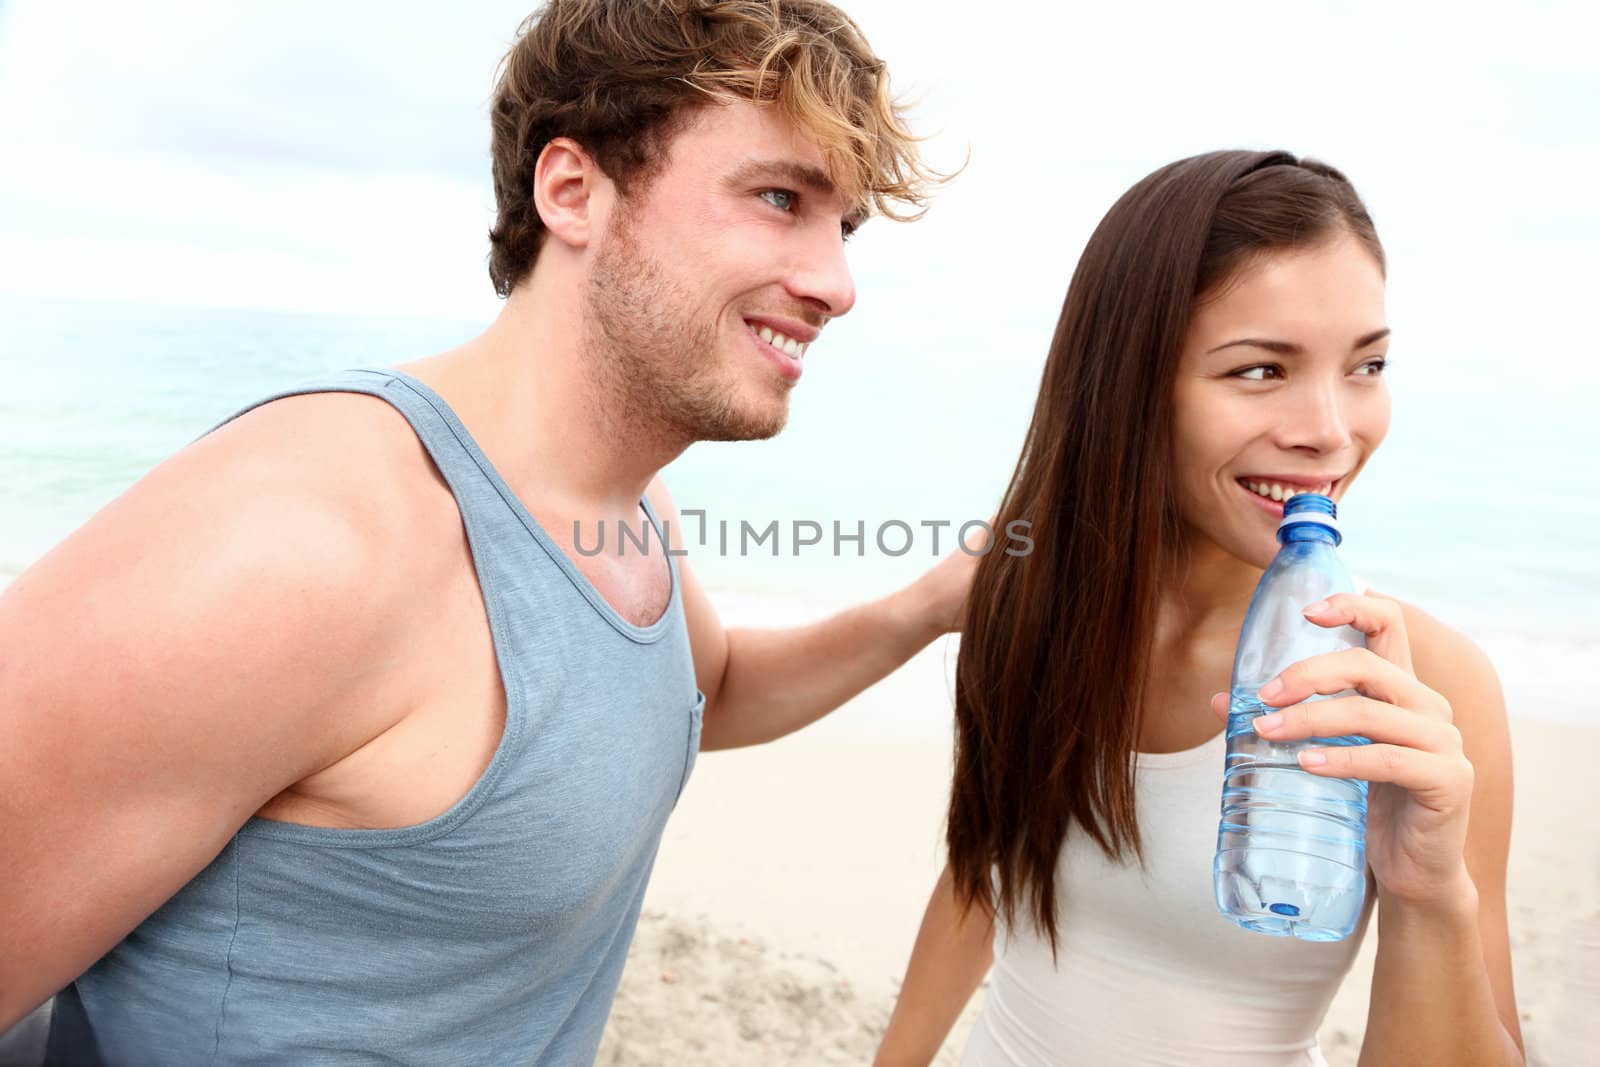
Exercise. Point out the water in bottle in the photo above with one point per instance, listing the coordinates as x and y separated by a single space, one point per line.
1291 848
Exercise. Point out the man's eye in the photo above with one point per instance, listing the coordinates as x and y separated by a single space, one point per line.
782 199
1259 373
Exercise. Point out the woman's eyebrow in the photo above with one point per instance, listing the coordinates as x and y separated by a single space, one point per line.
1290 348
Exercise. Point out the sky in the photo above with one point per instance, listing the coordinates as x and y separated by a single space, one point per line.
333 157
317 157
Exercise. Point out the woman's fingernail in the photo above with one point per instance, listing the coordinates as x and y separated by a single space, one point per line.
1316 609
1269 722
1271 689
1313 758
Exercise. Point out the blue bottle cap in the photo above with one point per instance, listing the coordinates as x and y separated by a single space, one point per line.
1311 508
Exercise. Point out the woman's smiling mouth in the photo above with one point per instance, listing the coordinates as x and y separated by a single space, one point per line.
1270 491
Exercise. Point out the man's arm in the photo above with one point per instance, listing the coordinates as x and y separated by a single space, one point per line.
762 684
205 641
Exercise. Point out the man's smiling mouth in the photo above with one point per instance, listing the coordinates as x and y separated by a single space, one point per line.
789 346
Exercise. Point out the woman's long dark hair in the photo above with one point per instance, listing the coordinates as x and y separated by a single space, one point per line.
1056 644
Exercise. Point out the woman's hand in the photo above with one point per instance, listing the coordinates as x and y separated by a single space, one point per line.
1421 781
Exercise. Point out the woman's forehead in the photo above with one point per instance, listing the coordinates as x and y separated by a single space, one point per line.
1334 285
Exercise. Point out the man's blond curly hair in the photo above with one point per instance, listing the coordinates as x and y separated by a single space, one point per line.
620 77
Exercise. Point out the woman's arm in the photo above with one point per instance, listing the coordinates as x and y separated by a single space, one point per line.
1438 823
952 954
1443 972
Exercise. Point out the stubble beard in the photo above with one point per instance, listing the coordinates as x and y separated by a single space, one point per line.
654 360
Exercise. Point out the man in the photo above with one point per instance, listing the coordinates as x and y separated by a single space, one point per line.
323 742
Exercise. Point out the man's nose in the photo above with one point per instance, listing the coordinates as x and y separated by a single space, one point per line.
821 276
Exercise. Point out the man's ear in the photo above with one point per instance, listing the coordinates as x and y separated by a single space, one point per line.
570 191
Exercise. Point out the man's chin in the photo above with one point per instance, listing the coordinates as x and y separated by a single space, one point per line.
746 428
741 419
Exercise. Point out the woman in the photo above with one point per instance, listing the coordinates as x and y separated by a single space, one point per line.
1222 339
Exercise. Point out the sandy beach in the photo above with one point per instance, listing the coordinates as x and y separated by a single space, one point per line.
792 879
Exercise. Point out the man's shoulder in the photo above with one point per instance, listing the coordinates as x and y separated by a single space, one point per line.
288 546
242 618
316 436
324 501
346 458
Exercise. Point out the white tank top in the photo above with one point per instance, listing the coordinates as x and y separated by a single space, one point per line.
1148 971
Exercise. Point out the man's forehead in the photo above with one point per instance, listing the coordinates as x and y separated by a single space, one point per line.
760 125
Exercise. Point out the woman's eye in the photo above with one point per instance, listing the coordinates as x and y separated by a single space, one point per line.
1259 373
1373 367
782 199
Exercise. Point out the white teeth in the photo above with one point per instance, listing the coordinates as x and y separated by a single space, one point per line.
1274 491
787 345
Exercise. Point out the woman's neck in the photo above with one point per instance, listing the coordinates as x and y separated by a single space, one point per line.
1199 611
1207 591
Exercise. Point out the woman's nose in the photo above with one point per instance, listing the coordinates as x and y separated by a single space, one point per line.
1318 420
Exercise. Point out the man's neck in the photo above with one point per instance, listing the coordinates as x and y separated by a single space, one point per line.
523 391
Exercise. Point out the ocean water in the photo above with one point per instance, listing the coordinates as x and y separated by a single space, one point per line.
1483 506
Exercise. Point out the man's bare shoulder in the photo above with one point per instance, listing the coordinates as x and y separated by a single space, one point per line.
341 476
346 452
292 543
234 622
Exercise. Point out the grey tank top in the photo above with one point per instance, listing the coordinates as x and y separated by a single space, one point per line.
492 934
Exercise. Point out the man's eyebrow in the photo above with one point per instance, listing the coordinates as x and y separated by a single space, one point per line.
1289 348
802 174
808 177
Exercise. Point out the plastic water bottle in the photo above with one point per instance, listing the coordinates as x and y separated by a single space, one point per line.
1291 848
